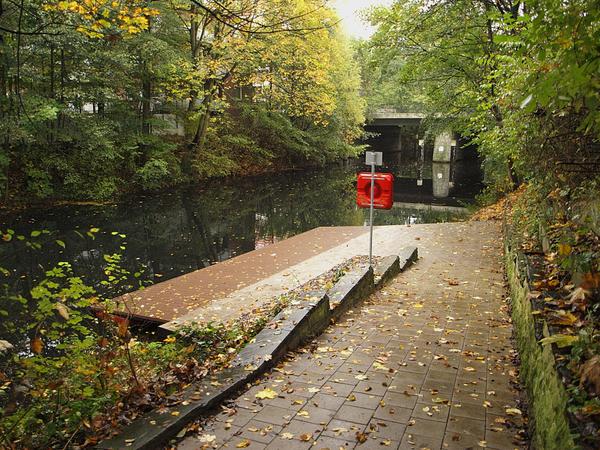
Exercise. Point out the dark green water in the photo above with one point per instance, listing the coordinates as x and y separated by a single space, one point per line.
172 233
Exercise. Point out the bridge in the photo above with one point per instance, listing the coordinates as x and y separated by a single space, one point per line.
394 117
399 133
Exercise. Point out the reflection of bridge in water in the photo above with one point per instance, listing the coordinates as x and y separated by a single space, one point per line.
403 133
404 142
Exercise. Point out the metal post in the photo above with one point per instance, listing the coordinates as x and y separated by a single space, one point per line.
371 215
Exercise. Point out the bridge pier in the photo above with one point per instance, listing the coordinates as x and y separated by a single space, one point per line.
442 147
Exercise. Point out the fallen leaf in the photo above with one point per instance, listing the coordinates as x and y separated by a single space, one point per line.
361 437
243 444
287 436
564 318
380 366
207 438
590 374
266 393
513 412
305 437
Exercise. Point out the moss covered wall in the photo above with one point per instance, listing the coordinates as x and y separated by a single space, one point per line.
549 425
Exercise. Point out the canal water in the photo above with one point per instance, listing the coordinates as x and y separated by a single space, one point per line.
164 235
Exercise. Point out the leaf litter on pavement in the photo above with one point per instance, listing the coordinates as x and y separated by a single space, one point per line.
411 326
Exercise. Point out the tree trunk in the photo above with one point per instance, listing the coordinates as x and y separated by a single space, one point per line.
495 109
146 103
200 137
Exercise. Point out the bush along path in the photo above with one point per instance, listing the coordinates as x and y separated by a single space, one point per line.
555 315
426 362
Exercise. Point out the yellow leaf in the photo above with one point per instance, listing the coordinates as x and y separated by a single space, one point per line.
207 438
243 444
62 310
361 437
561 340
564 318
564 249
380 366
266 393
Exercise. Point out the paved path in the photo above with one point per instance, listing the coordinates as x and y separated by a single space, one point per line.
423 364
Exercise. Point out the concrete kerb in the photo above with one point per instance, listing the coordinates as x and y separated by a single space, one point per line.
299 322
350 289
386 269
408 256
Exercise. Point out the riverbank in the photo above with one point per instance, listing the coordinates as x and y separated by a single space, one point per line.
17 204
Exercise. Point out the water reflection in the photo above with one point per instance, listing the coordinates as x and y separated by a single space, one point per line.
441 179
173 233
440 169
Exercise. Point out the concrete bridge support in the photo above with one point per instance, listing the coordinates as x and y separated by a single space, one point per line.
442 148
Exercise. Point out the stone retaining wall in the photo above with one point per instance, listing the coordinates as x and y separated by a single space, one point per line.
549 423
